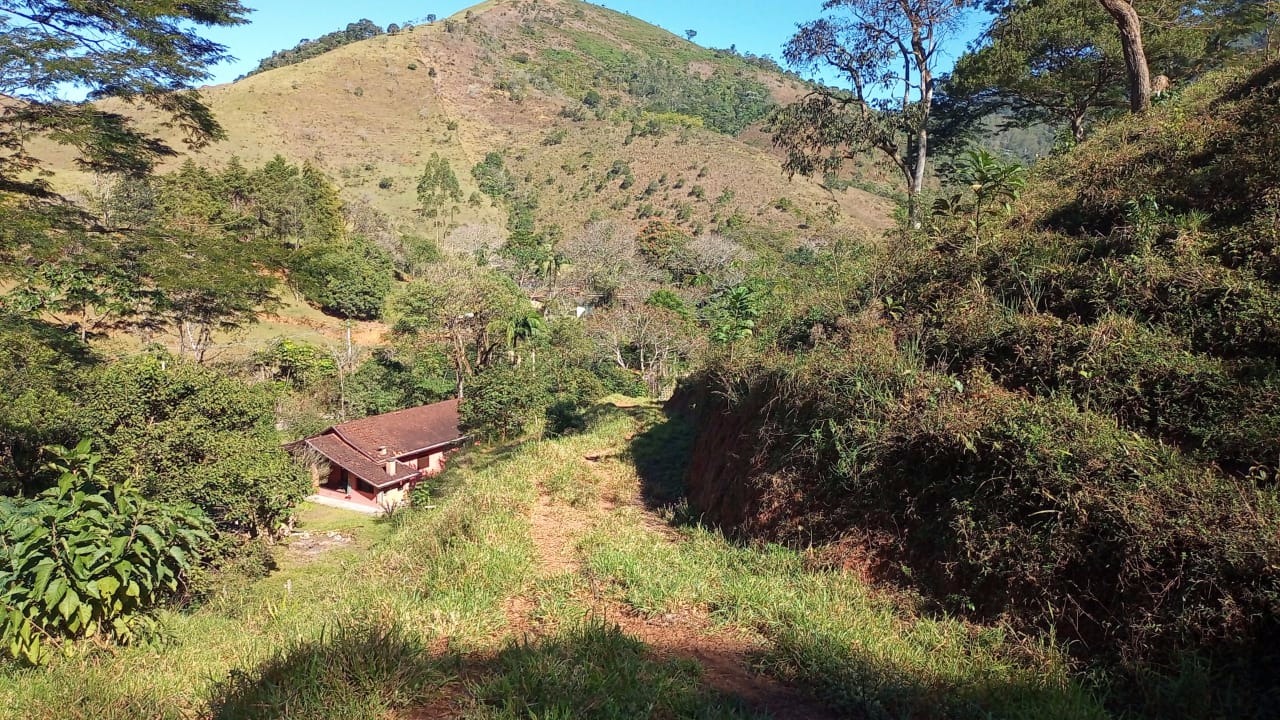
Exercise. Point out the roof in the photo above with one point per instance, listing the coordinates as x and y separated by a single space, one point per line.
340 453
404 432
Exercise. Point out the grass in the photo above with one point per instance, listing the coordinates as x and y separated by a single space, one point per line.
595 671
856 649
448 608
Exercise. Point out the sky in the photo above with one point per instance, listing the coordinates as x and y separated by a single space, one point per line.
752 25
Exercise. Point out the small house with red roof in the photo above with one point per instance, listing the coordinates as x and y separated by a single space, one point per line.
364 460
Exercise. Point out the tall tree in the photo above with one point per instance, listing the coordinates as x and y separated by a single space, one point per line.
133 50
465 312
1060 62
887 50
438 186
1045 61
1135 56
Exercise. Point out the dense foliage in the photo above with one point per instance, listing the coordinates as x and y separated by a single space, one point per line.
351 281
145 51
1068 419
186 434
726 102
1060 61
87 558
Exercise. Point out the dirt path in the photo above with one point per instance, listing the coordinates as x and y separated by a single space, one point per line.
725 656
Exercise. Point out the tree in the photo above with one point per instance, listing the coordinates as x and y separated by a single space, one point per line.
438 187
502 402
462 310
281 201
351 282
1049 61
322 219
195 218
522 329
648 339
131 50
888 52
1061 61
1135 57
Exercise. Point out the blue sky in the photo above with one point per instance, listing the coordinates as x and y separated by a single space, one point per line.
757 27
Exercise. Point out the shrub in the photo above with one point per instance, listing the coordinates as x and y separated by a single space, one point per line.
493 177
89 559
659 241
299 363
501 401
351 281
188 434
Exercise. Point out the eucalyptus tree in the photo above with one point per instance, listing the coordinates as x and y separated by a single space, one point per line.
888 53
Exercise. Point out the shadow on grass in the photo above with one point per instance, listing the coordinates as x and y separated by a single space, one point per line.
596 671
353 671
832 670
661 455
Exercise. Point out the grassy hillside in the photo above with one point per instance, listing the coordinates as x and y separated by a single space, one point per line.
512 77
1068 417
536 583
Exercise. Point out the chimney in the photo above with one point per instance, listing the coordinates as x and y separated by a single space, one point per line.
391 468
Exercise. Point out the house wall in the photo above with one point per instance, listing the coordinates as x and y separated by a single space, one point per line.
431 463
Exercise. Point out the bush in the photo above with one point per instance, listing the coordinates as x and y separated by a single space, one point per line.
89 559
501 402
187 434
351 281
1069 421
299 363
392 380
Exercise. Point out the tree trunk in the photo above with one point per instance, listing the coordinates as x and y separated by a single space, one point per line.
1135 57
1077 126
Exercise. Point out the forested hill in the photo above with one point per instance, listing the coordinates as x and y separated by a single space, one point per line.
595 114
307 49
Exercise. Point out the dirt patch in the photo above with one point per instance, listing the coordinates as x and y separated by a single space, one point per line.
724 655
555 530
309 544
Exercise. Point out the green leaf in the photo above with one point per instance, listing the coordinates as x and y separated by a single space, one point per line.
151 536
53 594
43 569
107 586
70 603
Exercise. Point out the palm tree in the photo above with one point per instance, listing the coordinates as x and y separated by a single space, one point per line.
523 329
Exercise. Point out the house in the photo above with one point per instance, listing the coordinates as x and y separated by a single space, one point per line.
381 457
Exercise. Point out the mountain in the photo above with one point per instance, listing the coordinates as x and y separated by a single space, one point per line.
596 113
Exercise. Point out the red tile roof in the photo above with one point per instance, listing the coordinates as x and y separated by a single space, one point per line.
340 453
405 432
359 445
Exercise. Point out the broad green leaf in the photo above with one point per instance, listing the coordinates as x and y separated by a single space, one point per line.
70 603
53 594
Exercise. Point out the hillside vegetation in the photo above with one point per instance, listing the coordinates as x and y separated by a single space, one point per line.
1067 418
532 583
566 91
1002 442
